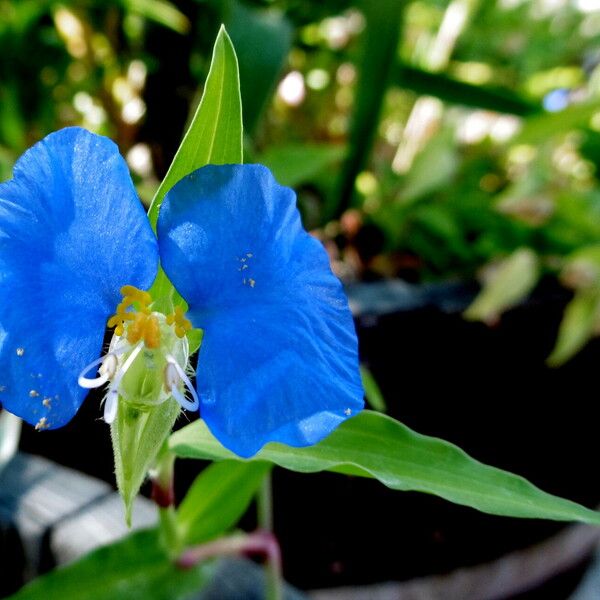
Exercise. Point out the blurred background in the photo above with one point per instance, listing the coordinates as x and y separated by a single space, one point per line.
427 140
447 154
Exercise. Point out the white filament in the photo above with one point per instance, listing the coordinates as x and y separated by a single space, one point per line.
111 404
107 370
173 375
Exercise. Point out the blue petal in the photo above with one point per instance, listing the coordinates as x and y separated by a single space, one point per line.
72 232
278 360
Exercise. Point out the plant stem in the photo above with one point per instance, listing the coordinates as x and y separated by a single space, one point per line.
260 542
274 587
169 531
163 494
163 478
264 502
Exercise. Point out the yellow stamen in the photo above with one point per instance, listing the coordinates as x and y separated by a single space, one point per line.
144 327
177 318
129 291
142 324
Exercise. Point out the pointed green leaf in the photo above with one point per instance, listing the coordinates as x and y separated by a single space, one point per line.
513 281
377 446
263 39
135 568
577 326
218 498
215 134
213 137
372 392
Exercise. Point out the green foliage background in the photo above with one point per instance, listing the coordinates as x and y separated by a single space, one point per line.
421 144
463 135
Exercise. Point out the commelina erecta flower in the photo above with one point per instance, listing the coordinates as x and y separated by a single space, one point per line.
278 359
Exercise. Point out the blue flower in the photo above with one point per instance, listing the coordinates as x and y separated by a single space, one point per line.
278 360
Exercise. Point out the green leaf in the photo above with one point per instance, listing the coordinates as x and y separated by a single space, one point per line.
295 164
372 391
577 326
263 39
135 568
539 128
215 133
213 137
454 91
218 498
377 446
513 280
160 11
380 38
433 168
13 127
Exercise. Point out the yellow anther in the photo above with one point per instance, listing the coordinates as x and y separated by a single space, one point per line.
177 318
142 325
119 319
129 291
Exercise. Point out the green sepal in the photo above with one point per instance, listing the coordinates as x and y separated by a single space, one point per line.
138 433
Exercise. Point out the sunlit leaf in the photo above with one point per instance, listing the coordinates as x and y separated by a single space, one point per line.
263 39
215 133
213 137
375 445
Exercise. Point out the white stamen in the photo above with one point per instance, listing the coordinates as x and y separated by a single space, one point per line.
173 375
118 345
107 370
111 404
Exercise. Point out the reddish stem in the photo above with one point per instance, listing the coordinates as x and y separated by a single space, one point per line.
163 495
262 543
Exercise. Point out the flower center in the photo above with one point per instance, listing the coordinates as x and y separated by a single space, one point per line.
146 361
134 314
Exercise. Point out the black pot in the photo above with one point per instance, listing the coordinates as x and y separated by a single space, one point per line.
487 390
